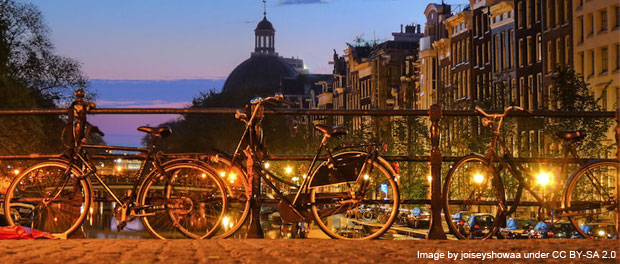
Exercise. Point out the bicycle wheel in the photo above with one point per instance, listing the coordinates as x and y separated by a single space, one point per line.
471 200
189 201
339 208
590 200
49 197
237 191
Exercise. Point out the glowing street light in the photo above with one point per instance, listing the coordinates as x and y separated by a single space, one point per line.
366 177
429 178
478 178
543 178
232 177
16 171
288 170
267 165
222 174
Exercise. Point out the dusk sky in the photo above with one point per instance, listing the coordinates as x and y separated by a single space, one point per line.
157 40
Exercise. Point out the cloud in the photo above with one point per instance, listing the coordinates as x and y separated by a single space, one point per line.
301 2
143 104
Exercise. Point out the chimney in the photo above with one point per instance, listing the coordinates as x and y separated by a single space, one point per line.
401 28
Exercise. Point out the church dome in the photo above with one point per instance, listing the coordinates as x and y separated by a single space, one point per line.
264 25
260 75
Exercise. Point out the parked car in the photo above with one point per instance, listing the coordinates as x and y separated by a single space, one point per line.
460 219
419 218
565 229
603 230
517 228
479 225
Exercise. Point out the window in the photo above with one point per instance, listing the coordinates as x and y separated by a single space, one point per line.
567 50
502 44
497 53
549 56
539 85
591 72
528 13
566 8
530 92
557 19
582 62
558 51
484 53
604 60
521 92
511 49
604 20
538 47
617 13
550 17
530 50
617 56
590 18
537 10
521 53
521 11
580 28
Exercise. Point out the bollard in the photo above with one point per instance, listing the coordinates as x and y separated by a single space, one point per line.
435 230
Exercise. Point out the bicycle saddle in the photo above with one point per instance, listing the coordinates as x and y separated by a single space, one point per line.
156 131
572 135
331 131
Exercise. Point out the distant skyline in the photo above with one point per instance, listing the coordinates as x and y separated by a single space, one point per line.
164 53
195 39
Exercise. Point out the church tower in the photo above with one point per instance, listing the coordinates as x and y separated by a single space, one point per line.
264 36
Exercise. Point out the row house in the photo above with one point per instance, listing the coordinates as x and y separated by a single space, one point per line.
596 45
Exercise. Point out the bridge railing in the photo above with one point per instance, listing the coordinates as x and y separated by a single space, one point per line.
434 157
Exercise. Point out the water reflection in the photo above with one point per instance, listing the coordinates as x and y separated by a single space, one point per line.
101 223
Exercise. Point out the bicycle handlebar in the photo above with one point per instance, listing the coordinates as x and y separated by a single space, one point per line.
278 97
481 111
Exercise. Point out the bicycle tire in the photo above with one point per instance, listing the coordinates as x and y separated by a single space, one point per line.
238 197
190 204
31 188
580 189
329 212
472 170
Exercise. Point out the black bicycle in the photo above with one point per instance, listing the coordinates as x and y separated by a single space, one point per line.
337 193
489 188
175 198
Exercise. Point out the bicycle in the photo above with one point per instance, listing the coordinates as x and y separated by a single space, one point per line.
334 193
475 184
174 198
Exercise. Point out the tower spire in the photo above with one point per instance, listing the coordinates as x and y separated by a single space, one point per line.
264 8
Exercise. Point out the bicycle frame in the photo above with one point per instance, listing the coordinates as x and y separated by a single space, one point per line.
253 130
518 172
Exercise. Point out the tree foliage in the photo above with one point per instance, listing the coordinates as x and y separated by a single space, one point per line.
571 93
31 76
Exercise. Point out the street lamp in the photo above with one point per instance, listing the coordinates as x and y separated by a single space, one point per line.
288 170
266 165
478 178
543 178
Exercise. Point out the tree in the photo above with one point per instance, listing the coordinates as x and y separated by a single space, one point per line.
571 93
31 76
30 55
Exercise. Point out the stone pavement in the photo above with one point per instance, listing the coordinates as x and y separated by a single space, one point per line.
93 251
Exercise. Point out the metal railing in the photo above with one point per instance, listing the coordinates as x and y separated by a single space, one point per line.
435 157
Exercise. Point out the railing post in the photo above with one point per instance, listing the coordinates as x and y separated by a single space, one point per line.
618 133
254 228
435 230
